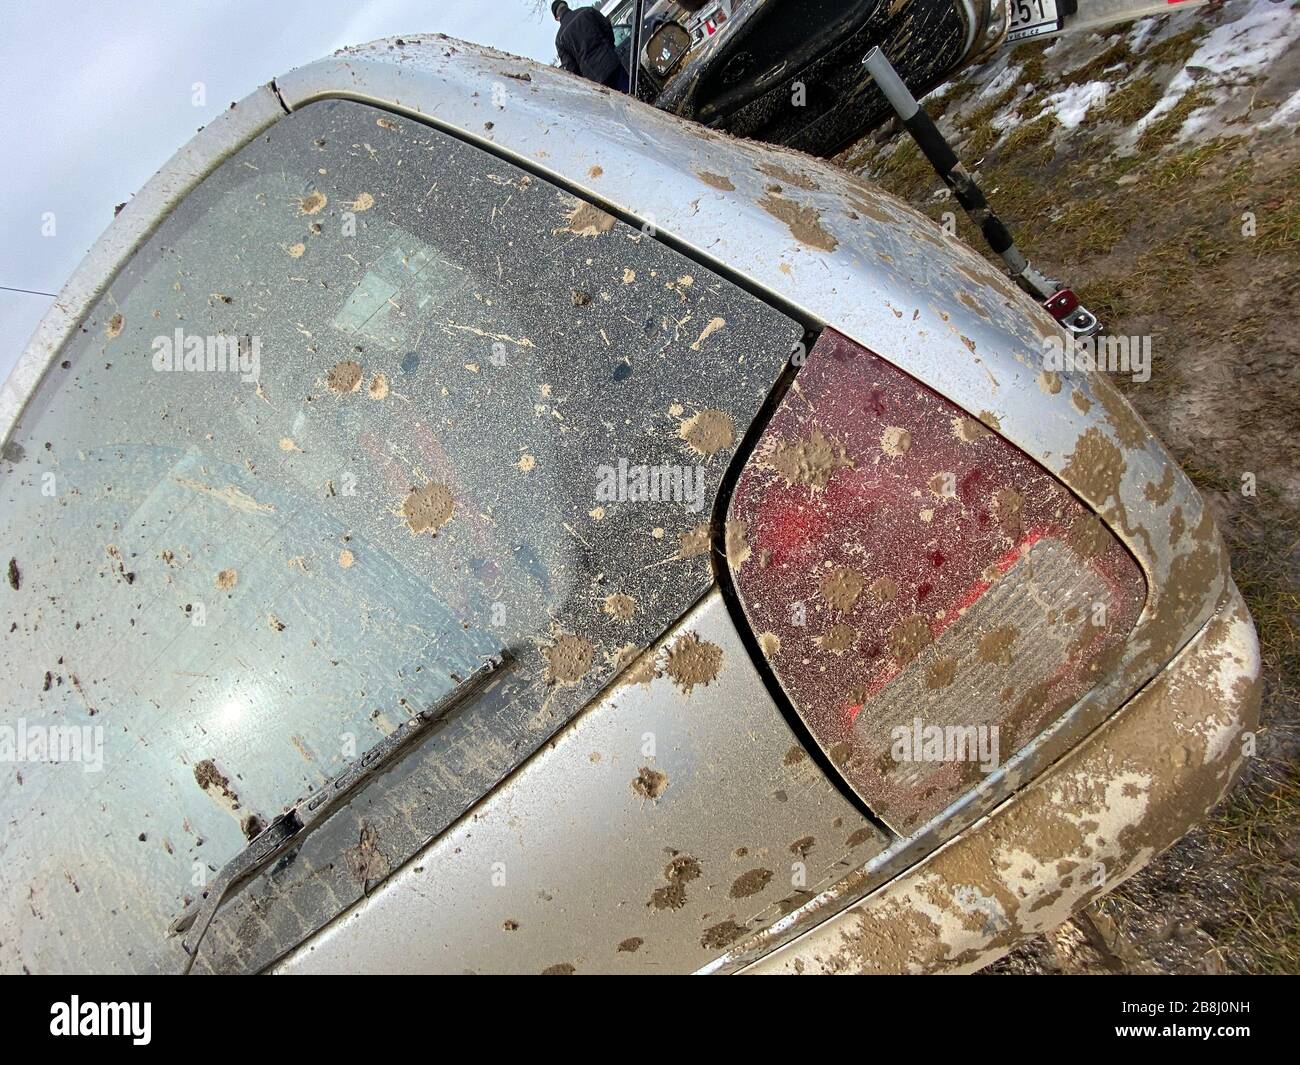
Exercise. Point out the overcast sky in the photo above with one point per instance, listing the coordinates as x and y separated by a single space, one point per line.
97 94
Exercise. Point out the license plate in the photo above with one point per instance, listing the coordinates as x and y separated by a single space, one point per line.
1033 18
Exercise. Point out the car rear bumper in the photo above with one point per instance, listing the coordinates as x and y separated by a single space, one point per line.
1083 827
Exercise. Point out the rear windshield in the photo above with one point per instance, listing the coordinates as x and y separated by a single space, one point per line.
359 413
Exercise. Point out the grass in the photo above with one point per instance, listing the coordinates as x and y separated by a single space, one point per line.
1160 132
1131 101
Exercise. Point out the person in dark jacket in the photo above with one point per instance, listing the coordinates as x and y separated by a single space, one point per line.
585 45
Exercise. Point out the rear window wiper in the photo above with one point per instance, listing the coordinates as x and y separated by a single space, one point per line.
291 826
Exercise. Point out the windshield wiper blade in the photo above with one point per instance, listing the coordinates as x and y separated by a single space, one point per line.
291 826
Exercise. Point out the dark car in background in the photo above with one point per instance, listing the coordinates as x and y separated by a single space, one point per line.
790 71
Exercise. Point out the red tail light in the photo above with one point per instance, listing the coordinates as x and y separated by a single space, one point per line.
927 595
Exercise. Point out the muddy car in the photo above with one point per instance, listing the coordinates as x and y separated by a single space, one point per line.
462 519
791 73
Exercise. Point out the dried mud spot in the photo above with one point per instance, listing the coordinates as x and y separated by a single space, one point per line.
737 543
841 588
716 181
313 203
15 575
1095 467
1008 507
630 945
568 659
683 868
1050 382
227 579
346 559
694 541
802 846
215 782
884 590
366 862
344 377
794 756
995 646
564 968
968 430
808 462
428 508
587 220
708 431
910 638
378 387
769 643
721 935
670 897
363 202
620 606
838 638
649 783
799 181
115 326
940 673
693 661
803 220
750 883
895 441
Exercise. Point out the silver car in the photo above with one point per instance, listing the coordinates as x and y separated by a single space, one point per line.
462 519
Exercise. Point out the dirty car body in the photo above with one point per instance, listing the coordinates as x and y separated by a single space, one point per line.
790 72
747 467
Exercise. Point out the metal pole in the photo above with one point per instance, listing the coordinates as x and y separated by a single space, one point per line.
1060 302
638 11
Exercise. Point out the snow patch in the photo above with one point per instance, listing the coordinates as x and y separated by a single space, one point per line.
1071 106
1287 114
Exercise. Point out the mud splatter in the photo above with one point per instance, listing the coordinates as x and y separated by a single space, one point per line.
1050 382
312 203
15 575
693 661
838 638
809 462
428 508
587 220
620 606
769 643
716 181
910 638
630 945
721 935
750 883
995 646
802 846
568 659
227 579
841 588
803 221
366 862
296 251
378 387
363 202
114 328
738 550
885 590
564 968
711 327
346 559
968 430
799 181
708 431
344 377
694 541
940 673
895 441
649 783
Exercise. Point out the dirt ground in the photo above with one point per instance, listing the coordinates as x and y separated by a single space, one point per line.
1156 168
